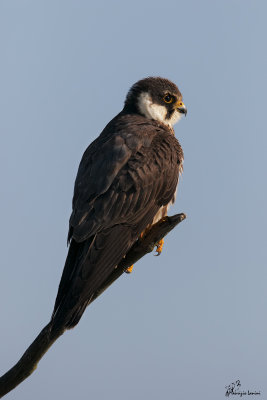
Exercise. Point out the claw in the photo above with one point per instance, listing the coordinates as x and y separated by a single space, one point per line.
159 247
129 269
142 234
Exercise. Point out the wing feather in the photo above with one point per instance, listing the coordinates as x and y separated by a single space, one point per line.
125 177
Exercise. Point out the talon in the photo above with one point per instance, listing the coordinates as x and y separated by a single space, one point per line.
129 269
159 247
143 233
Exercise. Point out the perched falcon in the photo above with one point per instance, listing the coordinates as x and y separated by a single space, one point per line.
126 180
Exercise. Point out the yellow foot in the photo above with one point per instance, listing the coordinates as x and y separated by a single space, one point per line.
129 269
159 247
143 233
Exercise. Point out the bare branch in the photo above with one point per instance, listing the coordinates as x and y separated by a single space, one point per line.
29 361
143 247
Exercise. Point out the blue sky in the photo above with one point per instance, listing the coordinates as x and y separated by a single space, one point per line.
187 323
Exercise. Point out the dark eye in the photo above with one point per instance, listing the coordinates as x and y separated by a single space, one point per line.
168 98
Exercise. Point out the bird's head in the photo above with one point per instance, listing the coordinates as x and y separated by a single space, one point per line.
156 98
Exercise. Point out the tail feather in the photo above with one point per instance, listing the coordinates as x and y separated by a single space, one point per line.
88 266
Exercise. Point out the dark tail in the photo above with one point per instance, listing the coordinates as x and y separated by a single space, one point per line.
88 267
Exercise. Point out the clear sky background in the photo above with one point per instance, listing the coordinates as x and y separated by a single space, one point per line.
185 324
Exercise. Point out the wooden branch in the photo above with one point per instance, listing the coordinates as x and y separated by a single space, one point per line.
142 247
29 361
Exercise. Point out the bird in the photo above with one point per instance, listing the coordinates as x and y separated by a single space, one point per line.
126 181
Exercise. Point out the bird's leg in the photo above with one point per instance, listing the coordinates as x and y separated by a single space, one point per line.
159 245
143 233
130 269
159 248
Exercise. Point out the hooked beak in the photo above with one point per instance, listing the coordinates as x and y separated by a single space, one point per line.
181 107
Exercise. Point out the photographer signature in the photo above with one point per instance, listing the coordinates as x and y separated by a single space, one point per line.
234 389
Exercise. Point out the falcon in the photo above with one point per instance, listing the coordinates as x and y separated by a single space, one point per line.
125 183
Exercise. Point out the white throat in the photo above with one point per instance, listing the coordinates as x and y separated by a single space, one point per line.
156 111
